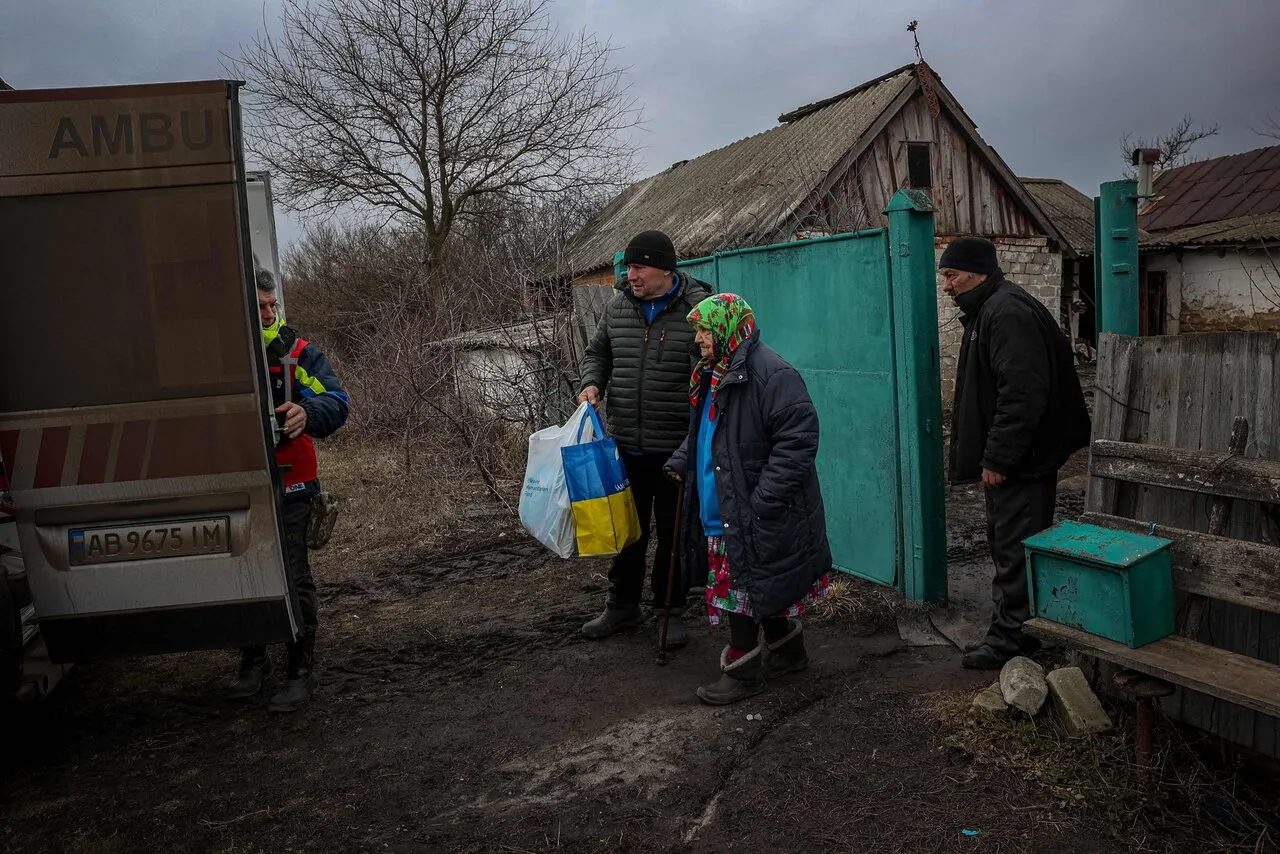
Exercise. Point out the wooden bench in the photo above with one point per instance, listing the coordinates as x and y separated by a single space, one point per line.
1205 566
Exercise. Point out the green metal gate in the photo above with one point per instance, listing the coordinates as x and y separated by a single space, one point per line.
857 315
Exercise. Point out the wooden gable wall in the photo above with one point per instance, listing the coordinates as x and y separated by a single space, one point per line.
969 197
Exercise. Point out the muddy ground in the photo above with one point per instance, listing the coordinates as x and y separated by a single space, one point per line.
461 711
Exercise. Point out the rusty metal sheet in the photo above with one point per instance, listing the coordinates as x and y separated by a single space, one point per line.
1216 189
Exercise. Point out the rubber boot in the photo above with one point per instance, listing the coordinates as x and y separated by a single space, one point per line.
786 655
300 681
255 667
677 634
613 620
742 679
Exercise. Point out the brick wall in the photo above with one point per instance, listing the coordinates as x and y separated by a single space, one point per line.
1026 261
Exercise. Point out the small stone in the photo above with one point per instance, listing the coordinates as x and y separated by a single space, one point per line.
1076 703
990 700
1023 686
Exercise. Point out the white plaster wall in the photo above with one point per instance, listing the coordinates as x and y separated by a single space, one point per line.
1221 290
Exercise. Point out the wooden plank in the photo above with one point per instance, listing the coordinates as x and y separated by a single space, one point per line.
1219 520
1200 472
1137 421
1234 629
1113 381
947 221
1160 369
1227 675
1217 567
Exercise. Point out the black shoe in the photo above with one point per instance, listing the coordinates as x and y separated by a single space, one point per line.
300 681
986 658
742 679
787 655
255 667
614 620
677 635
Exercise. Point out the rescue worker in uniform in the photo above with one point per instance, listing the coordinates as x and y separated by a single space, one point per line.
316 407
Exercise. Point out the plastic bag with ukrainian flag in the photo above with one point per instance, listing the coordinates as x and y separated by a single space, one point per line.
604 510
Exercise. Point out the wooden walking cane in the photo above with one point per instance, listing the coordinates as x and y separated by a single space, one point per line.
671 574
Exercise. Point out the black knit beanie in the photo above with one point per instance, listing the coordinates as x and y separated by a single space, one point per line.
651 249
971 254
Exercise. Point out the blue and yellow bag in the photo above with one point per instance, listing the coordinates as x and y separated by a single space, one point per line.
604 510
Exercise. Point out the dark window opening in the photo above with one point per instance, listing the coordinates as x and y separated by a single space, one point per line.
919 169
1153 299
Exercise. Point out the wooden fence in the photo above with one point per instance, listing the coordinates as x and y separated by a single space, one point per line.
1184 391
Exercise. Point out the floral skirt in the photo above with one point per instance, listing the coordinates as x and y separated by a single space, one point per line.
724 598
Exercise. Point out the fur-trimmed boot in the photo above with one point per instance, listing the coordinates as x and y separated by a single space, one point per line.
787 654
742 679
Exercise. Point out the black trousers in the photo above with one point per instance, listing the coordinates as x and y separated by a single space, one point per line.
655 496
295 511
1015 510
744 631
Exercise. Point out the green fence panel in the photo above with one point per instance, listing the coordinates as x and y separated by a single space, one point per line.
825 306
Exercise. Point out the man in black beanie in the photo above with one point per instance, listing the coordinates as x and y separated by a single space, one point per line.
1019 414
641 357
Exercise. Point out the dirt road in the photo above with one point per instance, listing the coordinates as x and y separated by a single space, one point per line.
461 711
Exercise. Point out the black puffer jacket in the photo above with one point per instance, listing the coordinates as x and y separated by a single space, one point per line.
1019 410
643 369
765 451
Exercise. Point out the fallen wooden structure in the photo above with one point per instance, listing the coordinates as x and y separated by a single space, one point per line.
1217 501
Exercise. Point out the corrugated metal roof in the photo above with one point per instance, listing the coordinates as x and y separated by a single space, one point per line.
744 192
1239 185
1239 231
1068 208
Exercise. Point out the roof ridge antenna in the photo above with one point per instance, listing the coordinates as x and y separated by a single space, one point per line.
924 73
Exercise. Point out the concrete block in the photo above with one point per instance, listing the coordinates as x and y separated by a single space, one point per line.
1023 685
990 700
1076 703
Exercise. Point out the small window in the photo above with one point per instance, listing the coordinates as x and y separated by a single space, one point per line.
919 169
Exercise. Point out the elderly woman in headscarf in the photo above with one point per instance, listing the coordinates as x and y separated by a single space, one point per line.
754 524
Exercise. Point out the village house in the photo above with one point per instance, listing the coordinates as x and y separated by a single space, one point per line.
1211 252
831 167
1071 212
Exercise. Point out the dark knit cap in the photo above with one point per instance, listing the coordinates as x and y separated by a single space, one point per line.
971 254
652 249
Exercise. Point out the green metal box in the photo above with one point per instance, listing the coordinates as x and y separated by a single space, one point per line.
1110 583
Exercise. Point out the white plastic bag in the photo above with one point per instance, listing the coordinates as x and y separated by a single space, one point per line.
545 509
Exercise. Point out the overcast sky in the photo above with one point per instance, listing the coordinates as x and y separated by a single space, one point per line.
1051 84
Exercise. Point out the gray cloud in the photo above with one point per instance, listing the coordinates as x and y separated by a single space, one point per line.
1051 85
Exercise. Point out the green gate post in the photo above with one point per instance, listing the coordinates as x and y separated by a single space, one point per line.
619 270
1116 248
919 394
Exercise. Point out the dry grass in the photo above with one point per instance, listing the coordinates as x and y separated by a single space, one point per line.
1100 773
388 517
860 601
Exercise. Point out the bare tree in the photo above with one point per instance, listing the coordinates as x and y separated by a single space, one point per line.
1175 145
433 113
1269 127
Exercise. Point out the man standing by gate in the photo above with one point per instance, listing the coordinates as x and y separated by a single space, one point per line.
1019 414
641 357
309 402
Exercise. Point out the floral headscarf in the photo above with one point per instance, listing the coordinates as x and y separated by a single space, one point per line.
730 321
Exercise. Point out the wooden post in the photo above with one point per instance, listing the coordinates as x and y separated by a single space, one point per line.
1219 521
